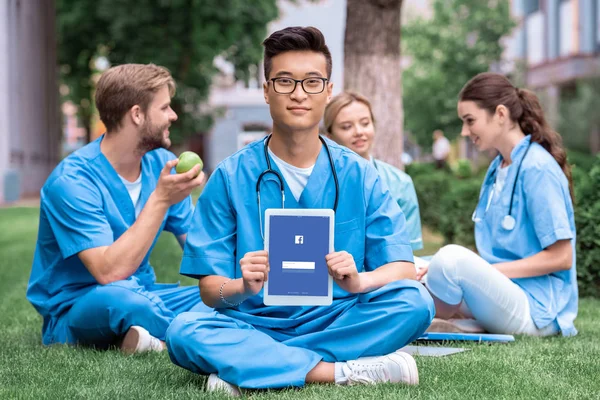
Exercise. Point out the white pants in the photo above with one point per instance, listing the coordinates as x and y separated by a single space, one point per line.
458 275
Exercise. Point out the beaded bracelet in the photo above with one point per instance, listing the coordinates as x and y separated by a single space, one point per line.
228 303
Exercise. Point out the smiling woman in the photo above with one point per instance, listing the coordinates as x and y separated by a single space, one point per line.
349 121
523 279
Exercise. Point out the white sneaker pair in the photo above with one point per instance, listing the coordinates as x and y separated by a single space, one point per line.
397 367
139 340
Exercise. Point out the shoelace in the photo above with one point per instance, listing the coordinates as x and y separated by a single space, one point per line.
356 372
155 344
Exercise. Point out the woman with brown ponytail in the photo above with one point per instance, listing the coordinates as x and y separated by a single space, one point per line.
523 279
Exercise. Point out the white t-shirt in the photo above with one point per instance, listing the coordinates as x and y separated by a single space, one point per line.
135 191
441 148
295 177
500 180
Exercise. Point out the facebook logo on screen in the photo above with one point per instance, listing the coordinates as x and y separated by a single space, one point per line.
297 250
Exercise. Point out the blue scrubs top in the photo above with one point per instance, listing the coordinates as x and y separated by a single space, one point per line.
543 211
402 189
368 223
84 204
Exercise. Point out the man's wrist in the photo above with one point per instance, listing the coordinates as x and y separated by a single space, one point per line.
156 201
366 282
233 297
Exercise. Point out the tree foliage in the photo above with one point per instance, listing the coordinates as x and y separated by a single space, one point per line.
182 35
579 121
461 40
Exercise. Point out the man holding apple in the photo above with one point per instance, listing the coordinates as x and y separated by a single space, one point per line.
102 210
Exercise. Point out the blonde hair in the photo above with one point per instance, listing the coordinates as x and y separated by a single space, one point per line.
340 101
127 85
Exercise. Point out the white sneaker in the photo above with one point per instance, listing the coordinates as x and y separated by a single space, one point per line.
139 340
397 367
216 384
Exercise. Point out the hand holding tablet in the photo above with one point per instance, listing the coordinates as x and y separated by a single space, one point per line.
298 241
343 270
255 271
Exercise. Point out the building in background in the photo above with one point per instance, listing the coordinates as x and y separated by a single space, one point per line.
74 135
35 134
244 115
555 45
30 133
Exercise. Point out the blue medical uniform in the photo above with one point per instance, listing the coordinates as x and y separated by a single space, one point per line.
403 191
543 211
258 346
84 204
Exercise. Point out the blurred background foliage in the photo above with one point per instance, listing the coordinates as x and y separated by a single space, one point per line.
447 199
461 40
184 36
579 118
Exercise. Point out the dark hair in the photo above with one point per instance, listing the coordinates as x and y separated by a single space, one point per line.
295 38
489 90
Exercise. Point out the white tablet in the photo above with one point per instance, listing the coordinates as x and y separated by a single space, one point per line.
298 241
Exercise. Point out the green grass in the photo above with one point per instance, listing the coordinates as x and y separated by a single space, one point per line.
552 368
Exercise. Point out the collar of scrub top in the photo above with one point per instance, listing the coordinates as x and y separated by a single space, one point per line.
374 162
270 170
508 222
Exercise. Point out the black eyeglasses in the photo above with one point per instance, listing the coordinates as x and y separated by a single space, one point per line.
312 85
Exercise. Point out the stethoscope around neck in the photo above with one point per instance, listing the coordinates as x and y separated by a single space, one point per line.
508 222
270 170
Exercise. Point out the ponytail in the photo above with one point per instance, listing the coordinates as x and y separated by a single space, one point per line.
489 90
532 121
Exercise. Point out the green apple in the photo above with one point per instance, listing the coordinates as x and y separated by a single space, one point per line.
187 161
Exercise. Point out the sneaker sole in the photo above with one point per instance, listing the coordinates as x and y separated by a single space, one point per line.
412 370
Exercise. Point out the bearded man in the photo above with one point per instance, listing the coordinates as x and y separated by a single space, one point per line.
102 210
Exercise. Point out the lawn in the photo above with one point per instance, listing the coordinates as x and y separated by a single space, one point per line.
552 368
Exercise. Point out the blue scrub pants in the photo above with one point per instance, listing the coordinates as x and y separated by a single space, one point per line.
248 356
102 316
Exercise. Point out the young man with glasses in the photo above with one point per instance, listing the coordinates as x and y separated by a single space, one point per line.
378 307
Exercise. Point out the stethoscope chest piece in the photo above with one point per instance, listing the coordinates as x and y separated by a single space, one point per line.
508 222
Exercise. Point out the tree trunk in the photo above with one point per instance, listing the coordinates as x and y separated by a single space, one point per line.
372 68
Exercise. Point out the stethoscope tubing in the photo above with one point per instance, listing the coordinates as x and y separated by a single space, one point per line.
508 222
270 170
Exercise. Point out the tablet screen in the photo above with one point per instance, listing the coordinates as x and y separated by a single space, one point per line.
297 249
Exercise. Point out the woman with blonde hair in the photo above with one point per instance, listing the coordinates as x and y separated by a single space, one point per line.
349 121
